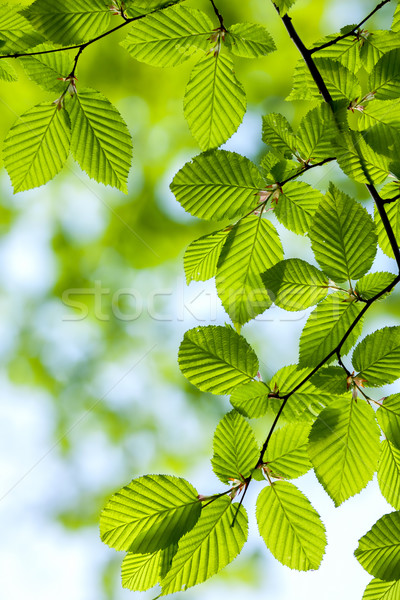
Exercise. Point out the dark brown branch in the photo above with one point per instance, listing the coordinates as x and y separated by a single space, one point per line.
305 169
336 351
219 16
390 200
386 223
306 54
352 31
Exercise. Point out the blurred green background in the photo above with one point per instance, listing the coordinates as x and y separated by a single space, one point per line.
94 305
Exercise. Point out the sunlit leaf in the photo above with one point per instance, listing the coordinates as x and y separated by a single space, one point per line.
37 146
101 142
388 416
218 185
385 77
294 284
252 246
149 514
249 40
379 549
389 473
169 37
343 237
214 101
374 283
377 357
47 69
286 453
326 328
344 448
216 359
296 206
290 527
382 590
208 547
201 256
235 448
70 21
251 399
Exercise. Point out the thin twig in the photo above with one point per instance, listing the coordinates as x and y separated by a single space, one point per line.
352 31
386 223
219 16
390 200
305 169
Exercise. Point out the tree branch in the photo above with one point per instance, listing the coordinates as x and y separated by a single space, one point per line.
352 31
306 54
305 169
386 223
219 16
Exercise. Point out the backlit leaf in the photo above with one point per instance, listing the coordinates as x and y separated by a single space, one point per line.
388 416
101 142
216 359
389 473
249 40
379 549
169 37
252 246
211 545
344 447
214 102
201 256
37 146
343 237
235 448
290 527
294 284
286 453
326 327
296 206
149 514
218 185
377 357
251 399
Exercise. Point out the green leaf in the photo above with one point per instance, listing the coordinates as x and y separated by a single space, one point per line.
251 399
359 161
70 21
326 327
37 146
344 447
396 19
15 31
331 379
388 416
286 453
276 169
393 212
47 69
208 547
340 81
385 76
214 101
7 72
296 206
379 549
140 572
284 5
216 359
375 44
294 284
249 40
372 284
382 590
343 237
252 246
381 122
277 133
201 256
149 514
389 473
290 527
307 402
169 37
218 185
316 134
235 448
101 142
345 51
377 357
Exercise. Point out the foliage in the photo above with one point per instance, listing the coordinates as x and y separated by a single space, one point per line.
322 418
